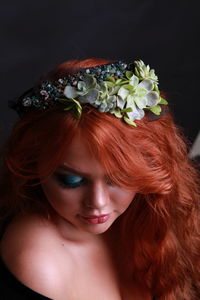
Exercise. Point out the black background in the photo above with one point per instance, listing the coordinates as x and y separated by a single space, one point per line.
37 35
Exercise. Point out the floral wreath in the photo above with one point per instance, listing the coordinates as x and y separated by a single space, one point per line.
126 90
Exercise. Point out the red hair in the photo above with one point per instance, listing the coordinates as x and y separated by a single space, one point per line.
160 231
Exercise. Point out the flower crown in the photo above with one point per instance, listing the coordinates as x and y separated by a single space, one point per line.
125 89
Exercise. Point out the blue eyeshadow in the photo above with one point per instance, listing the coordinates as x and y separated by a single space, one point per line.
69 180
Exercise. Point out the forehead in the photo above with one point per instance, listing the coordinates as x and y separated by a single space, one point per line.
79 156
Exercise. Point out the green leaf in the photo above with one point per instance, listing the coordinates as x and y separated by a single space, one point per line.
128 87
128 121
155 109
78 111
77 114
115 90
69 107
129 109
129 74
156 87
117 113
123 81
65 100
163 101
77 103
109 83
110 78
118 81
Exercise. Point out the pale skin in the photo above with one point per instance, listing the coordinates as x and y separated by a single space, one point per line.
72 257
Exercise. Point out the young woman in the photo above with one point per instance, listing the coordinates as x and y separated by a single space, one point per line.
98 198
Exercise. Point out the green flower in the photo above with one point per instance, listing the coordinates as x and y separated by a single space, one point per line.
137 95
126 97
144 72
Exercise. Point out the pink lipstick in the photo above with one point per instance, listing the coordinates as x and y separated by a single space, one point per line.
96 219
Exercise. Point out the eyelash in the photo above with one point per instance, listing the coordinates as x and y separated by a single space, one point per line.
62 180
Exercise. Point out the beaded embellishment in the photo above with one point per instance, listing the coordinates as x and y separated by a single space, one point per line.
125 89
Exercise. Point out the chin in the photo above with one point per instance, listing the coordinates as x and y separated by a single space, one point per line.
98 228
98 231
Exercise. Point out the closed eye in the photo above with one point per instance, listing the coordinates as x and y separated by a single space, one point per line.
69 180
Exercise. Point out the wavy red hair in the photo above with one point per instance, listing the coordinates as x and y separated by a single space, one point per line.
160 231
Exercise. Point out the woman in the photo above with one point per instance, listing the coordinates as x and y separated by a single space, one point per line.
99 200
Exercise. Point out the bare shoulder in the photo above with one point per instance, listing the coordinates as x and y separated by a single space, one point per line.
32 250
27 232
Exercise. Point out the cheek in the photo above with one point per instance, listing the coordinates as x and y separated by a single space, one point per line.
123 199
54 194
61 199
50 190
55 198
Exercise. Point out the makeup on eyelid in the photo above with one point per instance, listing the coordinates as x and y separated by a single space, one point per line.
69 180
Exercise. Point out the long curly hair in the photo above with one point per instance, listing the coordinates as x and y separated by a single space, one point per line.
160 231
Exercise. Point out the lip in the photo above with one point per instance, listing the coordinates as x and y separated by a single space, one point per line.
96 219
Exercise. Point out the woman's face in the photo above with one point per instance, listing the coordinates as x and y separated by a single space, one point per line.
82 195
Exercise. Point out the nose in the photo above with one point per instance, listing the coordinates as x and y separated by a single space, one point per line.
97 196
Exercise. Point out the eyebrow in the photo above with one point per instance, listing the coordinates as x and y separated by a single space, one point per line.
73 171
